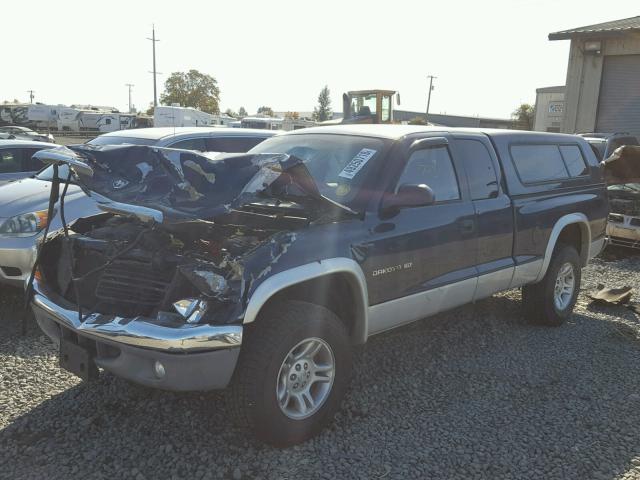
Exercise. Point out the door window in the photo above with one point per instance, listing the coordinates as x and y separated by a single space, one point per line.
432 167
385 108
10 160
232 144
481 173
31 164
191 144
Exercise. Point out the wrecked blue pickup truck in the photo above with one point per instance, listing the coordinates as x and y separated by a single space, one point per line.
259 272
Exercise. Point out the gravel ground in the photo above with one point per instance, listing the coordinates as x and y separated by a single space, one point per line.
474 393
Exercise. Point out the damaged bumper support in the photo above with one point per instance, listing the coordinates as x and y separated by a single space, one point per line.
145 350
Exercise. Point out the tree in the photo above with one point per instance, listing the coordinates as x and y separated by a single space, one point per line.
523 117
323 111
292 115
231 113
150 110
192 89
265 111
242 113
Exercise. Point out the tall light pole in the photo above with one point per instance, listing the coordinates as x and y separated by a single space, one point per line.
153 42
431 78
130 85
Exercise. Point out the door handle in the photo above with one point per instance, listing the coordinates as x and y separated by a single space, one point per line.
467 226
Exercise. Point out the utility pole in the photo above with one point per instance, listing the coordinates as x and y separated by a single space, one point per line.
153 41
129 85
31 96
431 78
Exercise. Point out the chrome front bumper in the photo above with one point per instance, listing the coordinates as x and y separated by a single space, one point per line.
624 230
193 357
140 331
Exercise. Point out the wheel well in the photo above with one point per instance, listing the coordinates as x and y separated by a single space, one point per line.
576 235
335 292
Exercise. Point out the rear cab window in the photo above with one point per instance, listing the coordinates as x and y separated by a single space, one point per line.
540 163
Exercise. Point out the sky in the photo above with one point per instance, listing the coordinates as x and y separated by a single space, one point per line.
488 56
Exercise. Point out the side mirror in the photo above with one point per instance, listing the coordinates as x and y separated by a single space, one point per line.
409 195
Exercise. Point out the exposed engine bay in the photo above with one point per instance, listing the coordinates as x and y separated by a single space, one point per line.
120 266
625 199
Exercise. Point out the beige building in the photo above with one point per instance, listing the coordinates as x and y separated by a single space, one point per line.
603 77
549 109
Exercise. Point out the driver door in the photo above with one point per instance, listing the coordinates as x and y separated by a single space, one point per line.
421 260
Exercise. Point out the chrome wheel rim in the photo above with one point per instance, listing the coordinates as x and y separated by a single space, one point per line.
564 287
305 378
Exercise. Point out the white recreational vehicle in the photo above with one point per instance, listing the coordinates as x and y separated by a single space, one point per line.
173 116
262 122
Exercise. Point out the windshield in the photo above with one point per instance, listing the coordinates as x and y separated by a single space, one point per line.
363 105
338 163
113 140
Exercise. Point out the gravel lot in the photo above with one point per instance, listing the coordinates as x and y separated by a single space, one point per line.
474 393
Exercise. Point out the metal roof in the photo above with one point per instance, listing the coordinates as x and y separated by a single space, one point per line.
395 132
614 27
558 89
157 133
11 142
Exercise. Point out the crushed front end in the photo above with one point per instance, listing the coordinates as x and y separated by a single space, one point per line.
157 296
150 306
622 174
623 227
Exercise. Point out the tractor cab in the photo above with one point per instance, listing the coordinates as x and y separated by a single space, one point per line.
368 106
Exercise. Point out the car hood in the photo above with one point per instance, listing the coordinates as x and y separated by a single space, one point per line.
30 195
623 166
171 186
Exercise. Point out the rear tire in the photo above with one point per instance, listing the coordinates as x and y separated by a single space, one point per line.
550 302
272 391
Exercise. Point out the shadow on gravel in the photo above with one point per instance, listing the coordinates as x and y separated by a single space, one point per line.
475 393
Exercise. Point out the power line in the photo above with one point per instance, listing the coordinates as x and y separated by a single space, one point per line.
431 78
130 85
153 42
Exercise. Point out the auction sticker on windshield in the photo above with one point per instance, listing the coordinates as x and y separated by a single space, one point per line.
356 164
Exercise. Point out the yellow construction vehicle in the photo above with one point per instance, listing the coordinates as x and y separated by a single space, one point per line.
368 106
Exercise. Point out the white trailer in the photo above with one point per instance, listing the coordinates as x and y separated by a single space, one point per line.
111 122
172 116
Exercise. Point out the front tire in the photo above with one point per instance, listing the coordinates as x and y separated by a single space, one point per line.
550 302
292 374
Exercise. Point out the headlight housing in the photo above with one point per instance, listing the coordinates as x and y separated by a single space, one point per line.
25 224
192 309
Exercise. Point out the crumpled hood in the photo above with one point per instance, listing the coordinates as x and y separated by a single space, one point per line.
30 195
623 166
170 185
